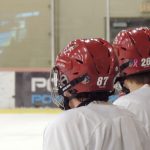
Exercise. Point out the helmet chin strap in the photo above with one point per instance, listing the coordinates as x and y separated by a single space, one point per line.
75 95
71 84
67 99
124 89
66 103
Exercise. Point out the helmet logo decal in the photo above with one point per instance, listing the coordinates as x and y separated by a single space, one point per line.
129 63
66 87
135 63
86 80
63 80
145 62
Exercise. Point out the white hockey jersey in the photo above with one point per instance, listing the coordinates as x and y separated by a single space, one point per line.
138 102
97 126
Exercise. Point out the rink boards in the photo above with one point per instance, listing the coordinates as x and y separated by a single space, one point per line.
30 111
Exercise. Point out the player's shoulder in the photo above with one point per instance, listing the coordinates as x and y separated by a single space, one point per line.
62 123
65 117
122 99
134 96
71 113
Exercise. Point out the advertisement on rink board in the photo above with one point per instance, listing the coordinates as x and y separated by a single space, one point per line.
33 89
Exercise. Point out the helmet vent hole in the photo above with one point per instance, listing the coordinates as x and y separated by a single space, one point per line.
144 30
92 55
108 69
79 61
132 40
75 73
123 48
149 38
97 69
108 54
102 42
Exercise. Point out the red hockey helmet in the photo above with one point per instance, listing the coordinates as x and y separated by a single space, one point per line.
132 47
85 65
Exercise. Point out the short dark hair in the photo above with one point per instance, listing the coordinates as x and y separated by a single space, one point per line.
95 96
140 78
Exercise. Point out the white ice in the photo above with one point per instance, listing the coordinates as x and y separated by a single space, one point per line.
23 131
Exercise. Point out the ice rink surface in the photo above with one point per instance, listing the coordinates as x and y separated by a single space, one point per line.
23 131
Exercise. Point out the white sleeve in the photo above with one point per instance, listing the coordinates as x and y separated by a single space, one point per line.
56 138
62 134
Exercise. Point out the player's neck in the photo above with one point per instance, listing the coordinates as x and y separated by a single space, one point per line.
74 103
134 87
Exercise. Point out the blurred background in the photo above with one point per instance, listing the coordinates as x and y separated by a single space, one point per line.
32 32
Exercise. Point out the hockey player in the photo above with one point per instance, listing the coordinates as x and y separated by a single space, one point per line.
133 50
81 82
